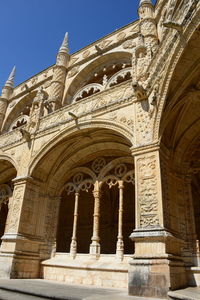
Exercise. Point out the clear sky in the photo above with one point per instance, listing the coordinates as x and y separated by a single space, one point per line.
31 31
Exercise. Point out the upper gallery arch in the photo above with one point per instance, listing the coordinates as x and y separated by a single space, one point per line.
98 75
19 114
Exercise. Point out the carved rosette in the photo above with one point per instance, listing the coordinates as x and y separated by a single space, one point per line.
148 190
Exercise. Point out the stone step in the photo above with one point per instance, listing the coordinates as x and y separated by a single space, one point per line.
185 294
11 295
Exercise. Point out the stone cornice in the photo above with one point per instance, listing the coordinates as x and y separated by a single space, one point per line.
135 151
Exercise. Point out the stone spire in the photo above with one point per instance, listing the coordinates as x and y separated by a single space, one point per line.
7 92
65 44
10 81
63 53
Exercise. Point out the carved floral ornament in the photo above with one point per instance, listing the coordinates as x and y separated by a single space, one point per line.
5 193
83 182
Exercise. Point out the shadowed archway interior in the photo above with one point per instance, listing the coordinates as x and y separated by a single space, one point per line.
7 174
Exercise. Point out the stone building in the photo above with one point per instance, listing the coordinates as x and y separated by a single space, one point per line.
100 159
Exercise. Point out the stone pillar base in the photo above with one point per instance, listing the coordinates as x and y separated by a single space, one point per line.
17 268
19 257
155 277
95 249
157 266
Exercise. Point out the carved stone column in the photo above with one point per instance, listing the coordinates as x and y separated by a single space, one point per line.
73 246
95 245
157 265
120 242
19 254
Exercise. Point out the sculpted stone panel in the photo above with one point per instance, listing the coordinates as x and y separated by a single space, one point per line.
147 191
15 209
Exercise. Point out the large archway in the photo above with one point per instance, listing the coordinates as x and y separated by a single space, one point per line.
88 178
112 179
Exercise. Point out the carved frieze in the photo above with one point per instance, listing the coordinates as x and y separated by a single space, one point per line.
121 36
73 60
9 138
89 105
122 118
86 54
129 44
104 44
73 71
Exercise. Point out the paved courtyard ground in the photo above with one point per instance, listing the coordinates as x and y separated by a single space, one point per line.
25 289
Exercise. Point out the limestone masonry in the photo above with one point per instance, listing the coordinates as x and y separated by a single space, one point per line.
100 160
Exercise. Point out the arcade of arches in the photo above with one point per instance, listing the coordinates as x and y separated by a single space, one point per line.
100 160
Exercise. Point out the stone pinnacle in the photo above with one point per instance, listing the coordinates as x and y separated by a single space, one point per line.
65 47
10 81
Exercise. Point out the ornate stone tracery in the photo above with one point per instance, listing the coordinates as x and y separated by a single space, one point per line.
104 81
116 174
20 121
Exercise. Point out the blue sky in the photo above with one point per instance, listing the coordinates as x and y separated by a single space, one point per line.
31 31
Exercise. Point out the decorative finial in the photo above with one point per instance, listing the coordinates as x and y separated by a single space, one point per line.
10 81
145 2
65 45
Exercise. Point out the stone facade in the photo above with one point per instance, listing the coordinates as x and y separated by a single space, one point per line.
100 160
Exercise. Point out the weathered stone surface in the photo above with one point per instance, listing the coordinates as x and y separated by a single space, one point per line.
103 146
